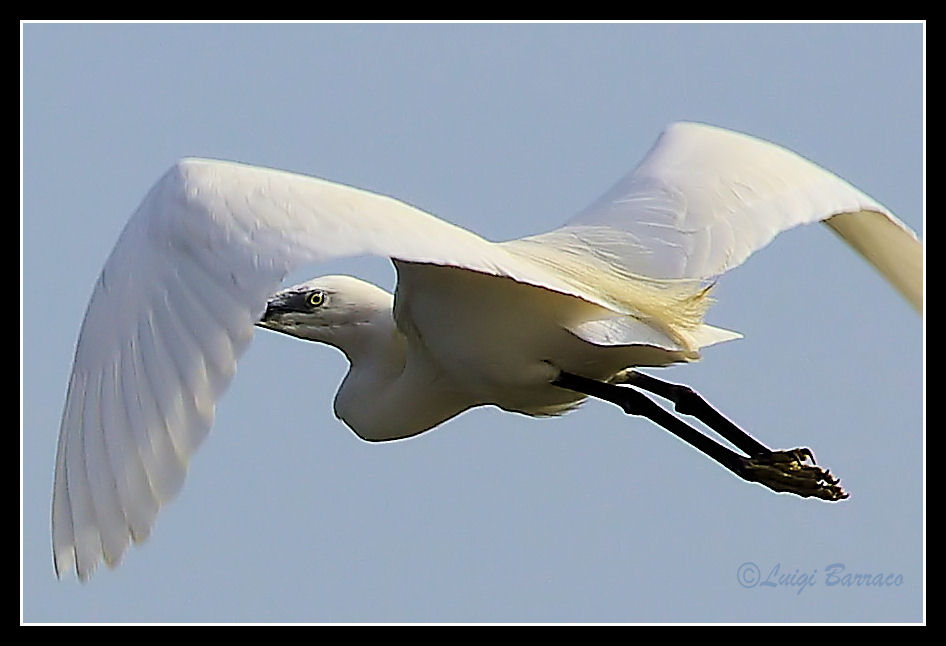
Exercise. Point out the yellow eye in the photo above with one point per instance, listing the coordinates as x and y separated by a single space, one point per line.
316 298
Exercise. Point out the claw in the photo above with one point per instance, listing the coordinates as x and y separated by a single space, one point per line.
808 455
788 471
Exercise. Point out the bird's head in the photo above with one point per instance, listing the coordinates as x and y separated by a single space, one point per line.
328 309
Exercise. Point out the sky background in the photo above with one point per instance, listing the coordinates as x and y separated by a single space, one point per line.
507 130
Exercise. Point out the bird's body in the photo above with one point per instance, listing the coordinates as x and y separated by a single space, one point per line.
532 326
494 340
502 342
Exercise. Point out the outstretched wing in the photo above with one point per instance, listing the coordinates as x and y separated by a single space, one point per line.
704 199
174 308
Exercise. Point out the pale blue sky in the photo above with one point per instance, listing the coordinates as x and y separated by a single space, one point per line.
507 130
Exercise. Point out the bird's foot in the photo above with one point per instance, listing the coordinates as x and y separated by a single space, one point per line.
794 472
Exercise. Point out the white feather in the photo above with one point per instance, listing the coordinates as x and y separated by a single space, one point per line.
190 275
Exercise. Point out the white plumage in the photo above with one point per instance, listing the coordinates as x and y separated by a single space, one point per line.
475 322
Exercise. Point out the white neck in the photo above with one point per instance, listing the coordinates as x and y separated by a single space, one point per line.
389 392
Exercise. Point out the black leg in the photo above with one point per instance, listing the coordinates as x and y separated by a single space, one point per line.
688 402
785 471
635 403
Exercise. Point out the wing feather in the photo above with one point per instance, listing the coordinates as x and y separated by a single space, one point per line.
173 310
704 199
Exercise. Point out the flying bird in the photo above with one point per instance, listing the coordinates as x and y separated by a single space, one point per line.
533 325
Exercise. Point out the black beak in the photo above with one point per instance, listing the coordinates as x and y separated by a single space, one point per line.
275 308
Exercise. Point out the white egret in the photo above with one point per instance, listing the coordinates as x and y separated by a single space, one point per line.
532 325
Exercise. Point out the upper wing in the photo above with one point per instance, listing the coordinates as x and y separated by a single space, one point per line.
704 199
175 306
